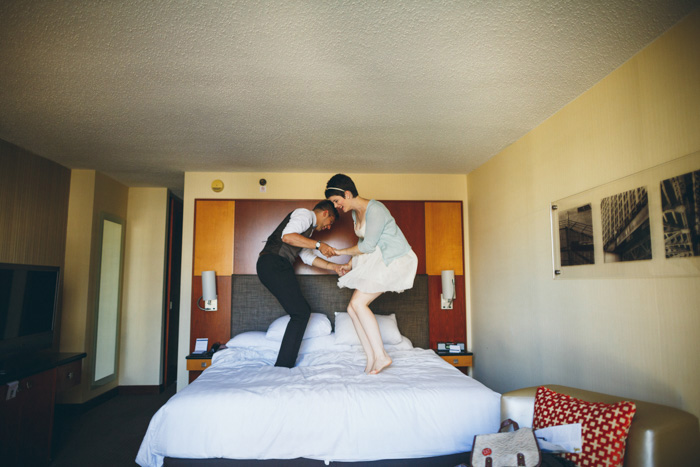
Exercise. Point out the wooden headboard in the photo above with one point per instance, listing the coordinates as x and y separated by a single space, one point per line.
253 307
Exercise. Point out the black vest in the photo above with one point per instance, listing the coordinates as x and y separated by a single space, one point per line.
275 245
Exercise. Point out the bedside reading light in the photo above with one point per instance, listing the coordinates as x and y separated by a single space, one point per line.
448 289
208 291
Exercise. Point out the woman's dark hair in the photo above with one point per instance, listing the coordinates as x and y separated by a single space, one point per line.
326 205
339 184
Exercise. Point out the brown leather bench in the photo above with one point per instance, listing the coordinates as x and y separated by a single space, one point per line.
659 436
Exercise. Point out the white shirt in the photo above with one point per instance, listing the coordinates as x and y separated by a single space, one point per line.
299 222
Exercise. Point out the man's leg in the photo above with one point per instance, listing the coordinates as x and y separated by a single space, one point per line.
277 274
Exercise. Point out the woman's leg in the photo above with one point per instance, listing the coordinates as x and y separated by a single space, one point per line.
364 340
360 304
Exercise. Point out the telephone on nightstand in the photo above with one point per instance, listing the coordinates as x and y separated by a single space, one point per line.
200 349
446 348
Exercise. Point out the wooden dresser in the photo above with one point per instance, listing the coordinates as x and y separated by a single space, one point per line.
28 387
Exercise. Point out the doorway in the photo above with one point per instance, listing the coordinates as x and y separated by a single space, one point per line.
171 312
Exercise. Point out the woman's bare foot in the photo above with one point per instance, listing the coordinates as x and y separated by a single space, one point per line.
380 364
370 365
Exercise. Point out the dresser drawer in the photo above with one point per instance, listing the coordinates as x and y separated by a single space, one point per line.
68 375
458 360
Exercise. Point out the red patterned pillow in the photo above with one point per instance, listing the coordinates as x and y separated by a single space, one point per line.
604 427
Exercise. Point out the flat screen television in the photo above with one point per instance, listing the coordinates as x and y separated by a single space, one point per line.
28 305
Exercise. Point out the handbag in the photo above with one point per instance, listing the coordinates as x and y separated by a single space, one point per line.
510 449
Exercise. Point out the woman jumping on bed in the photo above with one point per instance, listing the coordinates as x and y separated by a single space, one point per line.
382 261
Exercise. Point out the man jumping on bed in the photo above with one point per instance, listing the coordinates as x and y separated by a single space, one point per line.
275 268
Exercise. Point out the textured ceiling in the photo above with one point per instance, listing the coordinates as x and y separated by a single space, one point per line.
144 90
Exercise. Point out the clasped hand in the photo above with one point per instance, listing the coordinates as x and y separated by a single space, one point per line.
327 250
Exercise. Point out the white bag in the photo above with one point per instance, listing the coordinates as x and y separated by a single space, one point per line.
510 449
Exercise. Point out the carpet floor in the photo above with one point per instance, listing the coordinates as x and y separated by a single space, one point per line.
108 434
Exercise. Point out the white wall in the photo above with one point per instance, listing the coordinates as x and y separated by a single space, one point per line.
637 337
296 186
141 343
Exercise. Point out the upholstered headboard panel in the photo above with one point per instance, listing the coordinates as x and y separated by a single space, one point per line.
253 307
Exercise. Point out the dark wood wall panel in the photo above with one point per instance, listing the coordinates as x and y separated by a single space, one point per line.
257 219
447 325
34 196
410 217
214 325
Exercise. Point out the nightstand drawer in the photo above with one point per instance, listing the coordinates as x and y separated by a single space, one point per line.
198 364
458 360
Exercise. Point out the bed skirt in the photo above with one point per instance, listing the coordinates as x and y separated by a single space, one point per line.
450 460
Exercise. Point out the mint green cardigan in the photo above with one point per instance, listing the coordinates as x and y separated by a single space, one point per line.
381 231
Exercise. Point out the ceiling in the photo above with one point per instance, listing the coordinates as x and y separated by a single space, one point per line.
145 90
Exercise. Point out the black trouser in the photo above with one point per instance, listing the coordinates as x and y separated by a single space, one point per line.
277 274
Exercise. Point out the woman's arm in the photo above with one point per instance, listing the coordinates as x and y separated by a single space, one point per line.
351 250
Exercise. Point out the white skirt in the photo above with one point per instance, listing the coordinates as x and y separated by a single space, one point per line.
370 274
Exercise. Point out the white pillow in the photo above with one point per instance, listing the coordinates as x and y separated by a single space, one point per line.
322 344
319 325
257 340
252 339
405 344
345 331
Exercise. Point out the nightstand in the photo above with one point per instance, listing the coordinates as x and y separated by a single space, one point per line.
462 361
197 363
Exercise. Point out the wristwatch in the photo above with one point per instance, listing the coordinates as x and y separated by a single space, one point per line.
318 245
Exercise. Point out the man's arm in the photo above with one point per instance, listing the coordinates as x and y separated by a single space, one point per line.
299 240
323 264
312 258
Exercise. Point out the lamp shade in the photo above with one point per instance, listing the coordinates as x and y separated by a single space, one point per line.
448 284
209 285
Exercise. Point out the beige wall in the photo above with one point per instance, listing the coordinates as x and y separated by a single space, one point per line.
144 280
637 337
76 284
90 194
295 186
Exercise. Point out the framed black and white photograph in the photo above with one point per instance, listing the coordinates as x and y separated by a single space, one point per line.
625 223
680 206
576 236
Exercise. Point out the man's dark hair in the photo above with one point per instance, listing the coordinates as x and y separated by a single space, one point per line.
338 185
326 205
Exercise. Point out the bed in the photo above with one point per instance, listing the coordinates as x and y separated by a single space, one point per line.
244 411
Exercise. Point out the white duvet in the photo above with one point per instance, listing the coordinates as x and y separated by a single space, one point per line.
325 408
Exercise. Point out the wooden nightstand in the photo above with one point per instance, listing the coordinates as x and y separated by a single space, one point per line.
196 364
462 361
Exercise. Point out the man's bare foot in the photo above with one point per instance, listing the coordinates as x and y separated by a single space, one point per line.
379 365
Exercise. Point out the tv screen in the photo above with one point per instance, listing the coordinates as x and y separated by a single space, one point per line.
28 302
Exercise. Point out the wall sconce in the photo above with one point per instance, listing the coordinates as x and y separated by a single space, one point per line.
448 289
208 291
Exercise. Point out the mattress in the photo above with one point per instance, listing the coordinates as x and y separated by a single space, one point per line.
325 408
